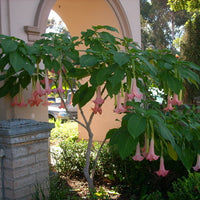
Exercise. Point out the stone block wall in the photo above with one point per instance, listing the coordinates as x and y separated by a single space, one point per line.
26 160
2 154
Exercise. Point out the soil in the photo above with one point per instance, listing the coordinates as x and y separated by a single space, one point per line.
78 188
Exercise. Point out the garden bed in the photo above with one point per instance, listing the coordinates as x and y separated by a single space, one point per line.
115 178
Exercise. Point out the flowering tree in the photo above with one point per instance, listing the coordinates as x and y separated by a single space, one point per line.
115 68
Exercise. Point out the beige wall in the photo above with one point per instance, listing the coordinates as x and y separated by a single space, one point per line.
14 15
80 15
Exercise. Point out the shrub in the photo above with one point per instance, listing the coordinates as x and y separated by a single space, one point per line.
63 131
70 160
56 187
138 178
186 188
157 195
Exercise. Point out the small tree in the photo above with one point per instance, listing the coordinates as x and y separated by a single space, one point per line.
114 67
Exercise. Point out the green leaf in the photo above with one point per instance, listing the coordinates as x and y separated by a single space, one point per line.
24 79
17 61
107 37
121 58
113 90
96 45
47 62
186 156
88 61
14 90
174 84
151 69
189 75
125 119
50 50
5 89
168 66
3 62
9 45
74 55
192 65
124 142
196 145
109 28
30 68
116 78
83 95
111 132
136 125
78 73
165 133
172 153
56 65
102 75
2 77
88 33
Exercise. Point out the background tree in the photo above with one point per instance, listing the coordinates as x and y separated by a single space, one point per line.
188 5
190 42
160 25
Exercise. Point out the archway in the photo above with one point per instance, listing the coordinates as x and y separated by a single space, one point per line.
114 7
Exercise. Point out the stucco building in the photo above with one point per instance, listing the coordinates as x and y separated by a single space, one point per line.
27 20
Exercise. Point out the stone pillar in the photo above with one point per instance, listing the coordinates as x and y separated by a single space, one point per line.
2 155
26 160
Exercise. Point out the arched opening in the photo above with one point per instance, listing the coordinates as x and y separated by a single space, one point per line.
56 24
90 10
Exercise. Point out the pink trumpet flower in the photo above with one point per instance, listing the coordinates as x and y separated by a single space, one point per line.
46 102
138 156
62 105
169 105
97 109
47 86
38 89
162 171
175 100
119 108
34 100
15 101
151 155
98 99
134 91
60 89
128 108
22 103
197 166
